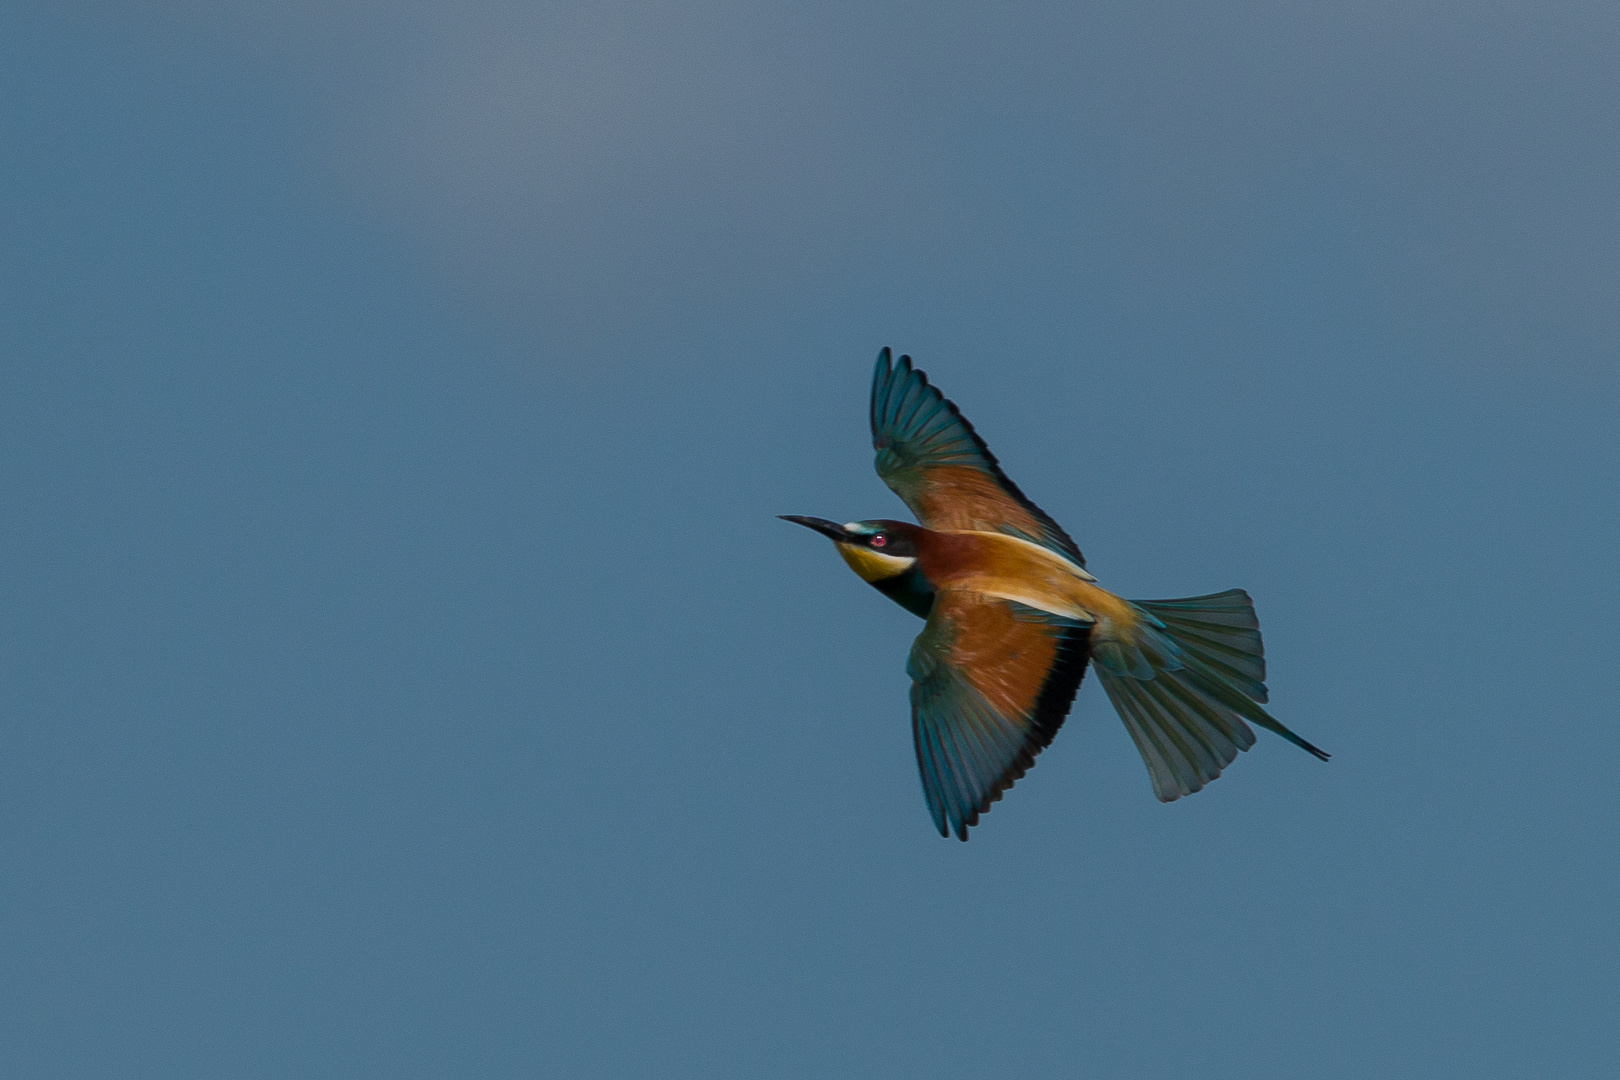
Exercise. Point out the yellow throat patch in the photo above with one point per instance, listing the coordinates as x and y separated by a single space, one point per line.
873 565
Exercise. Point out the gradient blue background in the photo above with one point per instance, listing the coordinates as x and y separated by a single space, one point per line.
402 673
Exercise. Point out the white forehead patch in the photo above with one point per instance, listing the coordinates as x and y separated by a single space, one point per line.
849 526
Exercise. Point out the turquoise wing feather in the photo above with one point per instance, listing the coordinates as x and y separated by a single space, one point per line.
931 457
992 682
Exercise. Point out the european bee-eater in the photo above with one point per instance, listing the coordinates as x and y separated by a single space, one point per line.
1013 617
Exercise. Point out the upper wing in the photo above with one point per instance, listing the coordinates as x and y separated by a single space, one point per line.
934 460
992 681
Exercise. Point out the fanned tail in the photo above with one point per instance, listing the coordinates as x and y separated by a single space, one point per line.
1193 671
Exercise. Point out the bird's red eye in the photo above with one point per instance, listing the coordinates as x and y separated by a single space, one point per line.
879 540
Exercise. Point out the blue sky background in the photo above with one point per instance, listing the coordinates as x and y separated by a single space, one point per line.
403 673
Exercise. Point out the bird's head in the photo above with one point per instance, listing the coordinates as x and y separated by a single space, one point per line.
876 550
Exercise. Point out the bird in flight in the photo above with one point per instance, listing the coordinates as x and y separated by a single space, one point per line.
1013 618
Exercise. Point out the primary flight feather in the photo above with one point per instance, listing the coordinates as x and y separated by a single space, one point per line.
1013 618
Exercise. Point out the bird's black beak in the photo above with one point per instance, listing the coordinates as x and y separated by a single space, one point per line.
821 525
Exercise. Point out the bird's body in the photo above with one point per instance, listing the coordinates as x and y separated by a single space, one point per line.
1013 619
996 565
